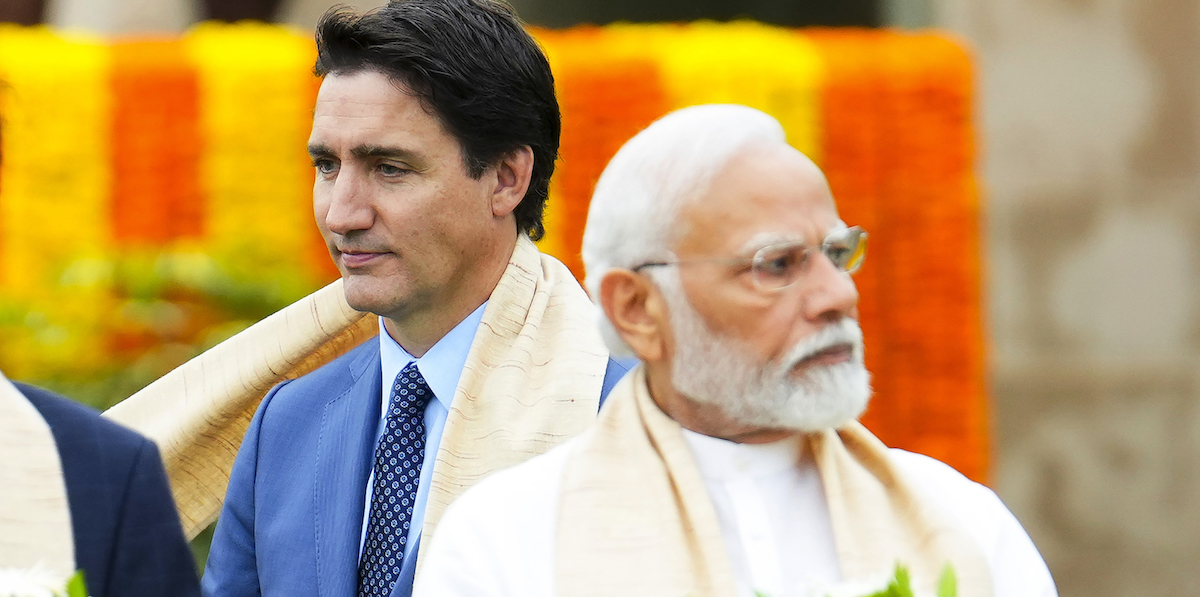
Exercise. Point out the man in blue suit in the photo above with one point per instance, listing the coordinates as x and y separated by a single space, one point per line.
127 537
434 138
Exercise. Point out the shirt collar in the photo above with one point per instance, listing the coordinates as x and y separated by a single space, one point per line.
441 366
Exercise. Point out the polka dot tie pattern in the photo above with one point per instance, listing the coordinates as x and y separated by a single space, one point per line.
398 460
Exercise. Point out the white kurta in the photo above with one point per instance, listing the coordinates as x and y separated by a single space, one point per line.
497 539
772 513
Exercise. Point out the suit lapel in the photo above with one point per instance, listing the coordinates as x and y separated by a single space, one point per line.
345 452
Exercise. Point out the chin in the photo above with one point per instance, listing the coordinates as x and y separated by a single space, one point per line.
370 295
837 396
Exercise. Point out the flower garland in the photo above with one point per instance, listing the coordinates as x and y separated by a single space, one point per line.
256 98
186 156
156 196
607 92
53 197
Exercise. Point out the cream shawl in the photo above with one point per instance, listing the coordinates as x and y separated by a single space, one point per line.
198 413
35 517
532 378
635 517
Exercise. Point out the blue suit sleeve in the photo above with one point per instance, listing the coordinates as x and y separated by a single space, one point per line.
232 568
150 555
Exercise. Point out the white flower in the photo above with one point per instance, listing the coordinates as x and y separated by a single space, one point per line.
35 582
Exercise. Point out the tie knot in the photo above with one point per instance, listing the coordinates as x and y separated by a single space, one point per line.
410 393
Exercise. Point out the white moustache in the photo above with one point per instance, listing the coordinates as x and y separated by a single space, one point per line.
845 332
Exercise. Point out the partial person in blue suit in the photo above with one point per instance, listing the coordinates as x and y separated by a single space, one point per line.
128 540
434 138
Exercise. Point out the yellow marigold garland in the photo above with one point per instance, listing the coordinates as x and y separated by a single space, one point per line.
53 197
256 99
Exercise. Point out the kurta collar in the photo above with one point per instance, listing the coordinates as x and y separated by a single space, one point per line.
720 459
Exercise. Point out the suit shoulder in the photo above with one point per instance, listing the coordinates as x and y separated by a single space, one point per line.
73 423
333 377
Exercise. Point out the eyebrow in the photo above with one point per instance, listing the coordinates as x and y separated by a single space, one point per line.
764 239
367 151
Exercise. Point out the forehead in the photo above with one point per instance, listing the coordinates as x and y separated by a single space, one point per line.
762 193
368 107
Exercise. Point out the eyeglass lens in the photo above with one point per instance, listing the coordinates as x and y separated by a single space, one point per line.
780 266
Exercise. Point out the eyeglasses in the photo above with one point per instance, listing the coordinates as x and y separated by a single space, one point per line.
775 267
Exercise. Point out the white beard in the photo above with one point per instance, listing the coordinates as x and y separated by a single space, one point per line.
720 371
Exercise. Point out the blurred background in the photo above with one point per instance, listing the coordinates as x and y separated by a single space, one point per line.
1087 124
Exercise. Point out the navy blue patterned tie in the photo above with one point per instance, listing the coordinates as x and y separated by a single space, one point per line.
398 460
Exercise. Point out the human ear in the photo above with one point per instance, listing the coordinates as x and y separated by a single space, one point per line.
513 174
636 310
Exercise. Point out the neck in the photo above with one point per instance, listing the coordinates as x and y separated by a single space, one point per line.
417 331
704 418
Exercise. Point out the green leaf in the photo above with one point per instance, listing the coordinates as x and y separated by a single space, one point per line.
947 583
901 586
76 587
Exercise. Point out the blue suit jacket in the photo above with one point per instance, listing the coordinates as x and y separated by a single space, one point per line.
128 540
293 513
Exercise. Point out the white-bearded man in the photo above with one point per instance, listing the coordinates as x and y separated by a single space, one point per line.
730 462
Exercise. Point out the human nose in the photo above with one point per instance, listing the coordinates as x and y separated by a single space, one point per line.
349 207
829 292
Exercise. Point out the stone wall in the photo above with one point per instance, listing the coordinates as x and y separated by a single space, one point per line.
1090 113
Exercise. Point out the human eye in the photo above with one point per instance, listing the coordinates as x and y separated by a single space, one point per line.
781 262
838 253
392 170
324 166
847 250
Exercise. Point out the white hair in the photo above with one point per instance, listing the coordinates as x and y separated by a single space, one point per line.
635 209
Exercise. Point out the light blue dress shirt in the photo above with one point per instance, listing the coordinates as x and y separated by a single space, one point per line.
441 367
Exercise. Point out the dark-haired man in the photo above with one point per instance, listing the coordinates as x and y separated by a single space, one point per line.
434 138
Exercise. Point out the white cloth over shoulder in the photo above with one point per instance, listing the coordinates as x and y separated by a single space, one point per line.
499 538
35 516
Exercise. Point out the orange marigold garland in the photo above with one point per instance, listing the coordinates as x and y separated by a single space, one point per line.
927 322
607 93
156 141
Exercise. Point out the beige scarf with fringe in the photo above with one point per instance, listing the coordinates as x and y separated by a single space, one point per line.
635 518
532 379
35 517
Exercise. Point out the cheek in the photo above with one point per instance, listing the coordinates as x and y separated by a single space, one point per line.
320 203
770 330
320 211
